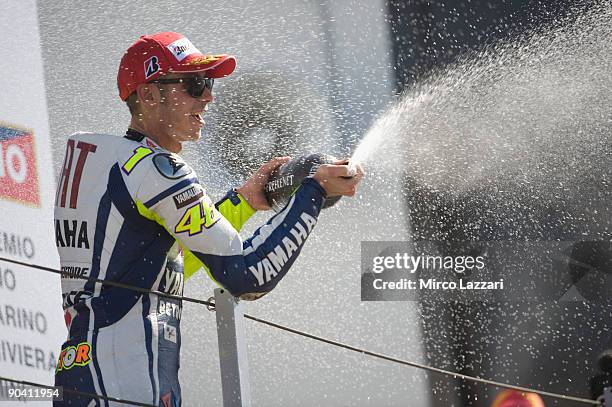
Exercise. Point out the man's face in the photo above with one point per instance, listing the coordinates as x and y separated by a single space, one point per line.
180 114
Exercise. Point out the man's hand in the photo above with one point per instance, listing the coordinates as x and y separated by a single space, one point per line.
253 188
337 179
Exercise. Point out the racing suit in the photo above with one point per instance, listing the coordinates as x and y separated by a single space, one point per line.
131 212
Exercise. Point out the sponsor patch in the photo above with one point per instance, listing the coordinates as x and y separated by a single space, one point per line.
73 272
18 172
182 48
79 355
151 66
73 297
188 196
169 309
170 333
171 166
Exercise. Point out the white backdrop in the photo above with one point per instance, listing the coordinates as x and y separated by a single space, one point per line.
31 322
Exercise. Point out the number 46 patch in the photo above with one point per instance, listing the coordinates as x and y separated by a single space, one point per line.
196 218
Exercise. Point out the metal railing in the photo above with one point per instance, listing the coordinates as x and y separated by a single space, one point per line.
233 350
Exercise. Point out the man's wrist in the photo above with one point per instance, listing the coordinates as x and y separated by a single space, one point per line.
316 184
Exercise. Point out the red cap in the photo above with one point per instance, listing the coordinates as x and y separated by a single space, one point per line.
161 53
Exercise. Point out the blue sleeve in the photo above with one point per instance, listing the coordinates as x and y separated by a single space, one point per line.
267 256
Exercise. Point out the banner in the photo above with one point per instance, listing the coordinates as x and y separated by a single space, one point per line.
31 320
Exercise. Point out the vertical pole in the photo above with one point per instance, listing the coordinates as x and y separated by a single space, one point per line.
232 350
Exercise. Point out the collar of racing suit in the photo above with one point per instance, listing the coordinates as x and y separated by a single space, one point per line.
135 135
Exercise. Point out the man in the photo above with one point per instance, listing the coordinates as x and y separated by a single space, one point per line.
130 210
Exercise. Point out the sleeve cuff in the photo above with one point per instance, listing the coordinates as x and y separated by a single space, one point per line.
235 208
315 184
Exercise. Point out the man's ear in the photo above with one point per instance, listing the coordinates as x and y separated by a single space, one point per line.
148 94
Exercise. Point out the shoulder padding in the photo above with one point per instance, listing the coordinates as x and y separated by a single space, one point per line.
171 166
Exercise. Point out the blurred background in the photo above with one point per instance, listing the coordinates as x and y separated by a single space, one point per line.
315 76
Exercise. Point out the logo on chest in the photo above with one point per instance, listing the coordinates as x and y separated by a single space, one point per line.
71 233
188 197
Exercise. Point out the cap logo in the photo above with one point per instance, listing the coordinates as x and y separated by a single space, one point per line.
182 48
205 60
151 67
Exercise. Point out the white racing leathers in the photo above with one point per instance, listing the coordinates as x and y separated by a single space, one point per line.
131 212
